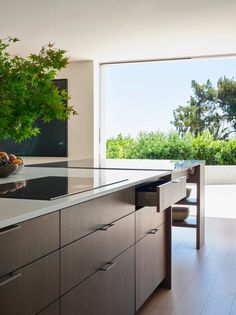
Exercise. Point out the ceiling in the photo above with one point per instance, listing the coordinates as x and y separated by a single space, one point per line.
117 30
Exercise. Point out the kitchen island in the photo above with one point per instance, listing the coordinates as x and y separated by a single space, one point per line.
90 252
194 171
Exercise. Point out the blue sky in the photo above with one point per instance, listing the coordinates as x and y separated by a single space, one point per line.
142 96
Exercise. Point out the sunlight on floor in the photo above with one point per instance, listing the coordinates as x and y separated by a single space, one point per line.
220 201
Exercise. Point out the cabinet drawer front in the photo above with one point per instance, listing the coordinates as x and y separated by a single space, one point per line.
24 242
28 290
147 218
85 256
150 264
53 309
163 195
106 292
84 218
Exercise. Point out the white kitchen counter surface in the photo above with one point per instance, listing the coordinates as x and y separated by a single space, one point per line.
13 211
123 164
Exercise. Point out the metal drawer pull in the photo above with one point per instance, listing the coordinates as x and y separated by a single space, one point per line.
108 266
107 227
9 279
176 181
154 231
10 229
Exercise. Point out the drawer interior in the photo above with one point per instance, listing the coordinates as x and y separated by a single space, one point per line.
152 187
162 193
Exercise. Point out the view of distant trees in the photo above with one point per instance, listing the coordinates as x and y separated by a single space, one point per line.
205 130
209 109
171 146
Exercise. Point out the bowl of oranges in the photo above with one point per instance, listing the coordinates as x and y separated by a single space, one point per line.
10 164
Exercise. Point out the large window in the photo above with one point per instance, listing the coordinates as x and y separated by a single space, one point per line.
142 97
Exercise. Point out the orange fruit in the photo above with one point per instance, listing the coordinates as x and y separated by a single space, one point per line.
17 161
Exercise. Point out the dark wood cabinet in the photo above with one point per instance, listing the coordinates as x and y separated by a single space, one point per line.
108 291
84 257
28 290
22 243
101 257
147 218
196 176
87 217
150 264
53 309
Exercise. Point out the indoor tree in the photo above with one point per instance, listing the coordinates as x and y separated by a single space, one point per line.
27 92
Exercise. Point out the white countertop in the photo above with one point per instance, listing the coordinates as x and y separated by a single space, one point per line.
124 164
13 211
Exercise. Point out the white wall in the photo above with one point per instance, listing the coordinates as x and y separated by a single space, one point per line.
220 175
83 128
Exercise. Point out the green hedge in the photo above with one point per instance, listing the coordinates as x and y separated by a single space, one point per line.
158 145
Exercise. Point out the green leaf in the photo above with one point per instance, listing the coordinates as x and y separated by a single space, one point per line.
27 92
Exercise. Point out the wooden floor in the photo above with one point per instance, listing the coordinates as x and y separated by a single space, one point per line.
204 281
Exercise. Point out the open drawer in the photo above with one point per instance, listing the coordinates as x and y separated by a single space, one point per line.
161 194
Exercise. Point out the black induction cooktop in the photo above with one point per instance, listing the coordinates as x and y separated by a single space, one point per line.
52 187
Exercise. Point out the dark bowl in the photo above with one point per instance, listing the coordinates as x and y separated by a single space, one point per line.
7 170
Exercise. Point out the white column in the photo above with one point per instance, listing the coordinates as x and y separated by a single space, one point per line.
83 88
